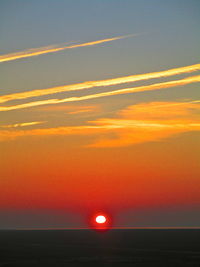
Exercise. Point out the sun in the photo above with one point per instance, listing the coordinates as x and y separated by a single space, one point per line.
100 219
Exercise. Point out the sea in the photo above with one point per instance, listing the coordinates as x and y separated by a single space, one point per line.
90 247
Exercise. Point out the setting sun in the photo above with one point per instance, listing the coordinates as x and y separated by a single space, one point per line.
100 219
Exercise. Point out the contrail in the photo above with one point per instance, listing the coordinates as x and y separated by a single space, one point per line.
53 49
156 86
100 83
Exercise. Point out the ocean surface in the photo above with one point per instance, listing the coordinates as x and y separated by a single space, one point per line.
117 247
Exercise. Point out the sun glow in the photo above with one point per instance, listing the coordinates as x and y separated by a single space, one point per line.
100 219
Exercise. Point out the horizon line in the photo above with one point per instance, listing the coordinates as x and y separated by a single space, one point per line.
103 228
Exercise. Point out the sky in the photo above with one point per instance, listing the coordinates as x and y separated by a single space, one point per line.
99 112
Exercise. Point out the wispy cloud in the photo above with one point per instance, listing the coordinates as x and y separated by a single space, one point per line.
22 124
52 49
156 86
136 124
100 83
66 130
84 109
149 122
71 109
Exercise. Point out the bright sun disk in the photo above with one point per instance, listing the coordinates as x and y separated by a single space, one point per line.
100 219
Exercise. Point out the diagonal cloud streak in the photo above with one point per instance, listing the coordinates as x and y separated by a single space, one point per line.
53 49
152 87
100 83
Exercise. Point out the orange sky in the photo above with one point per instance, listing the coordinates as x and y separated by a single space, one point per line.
101 111
60 176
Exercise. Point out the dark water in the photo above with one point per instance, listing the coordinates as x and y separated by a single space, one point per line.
90 248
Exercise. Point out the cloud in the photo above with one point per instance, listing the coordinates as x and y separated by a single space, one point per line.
23 124
66 130
136 124
99 83
152 87
72 109
86 109
149 122
52 49
161 110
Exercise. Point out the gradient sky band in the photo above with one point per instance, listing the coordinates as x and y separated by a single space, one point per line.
129 122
